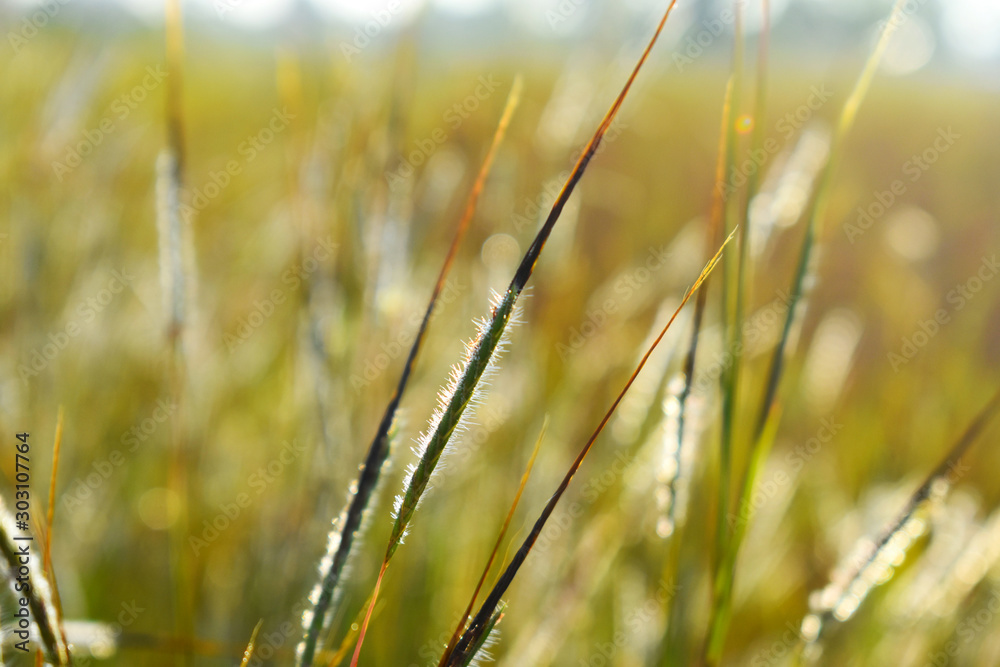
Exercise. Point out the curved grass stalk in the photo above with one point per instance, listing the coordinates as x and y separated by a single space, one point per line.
349 523
481 354
481 623
496 547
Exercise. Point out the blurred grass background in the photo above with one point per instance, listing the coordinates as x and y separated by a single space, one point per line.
297 377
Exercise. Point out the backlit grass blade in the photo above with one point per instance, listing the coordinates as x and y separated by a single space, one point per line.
480 356
349 524
480 623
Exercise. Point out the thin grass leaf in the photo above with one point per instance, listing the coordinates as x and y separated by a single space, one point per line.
739 215
763 426
173 241
348 525
714 234
729 378
51 510
496 547
248 653
481 355
476 629
817 211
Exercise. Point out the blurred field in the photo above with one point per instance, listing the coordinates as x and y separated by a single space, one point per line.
307 274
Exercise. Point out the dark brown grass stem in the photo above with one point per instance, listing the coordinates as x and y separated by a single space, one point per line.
480 623
496 548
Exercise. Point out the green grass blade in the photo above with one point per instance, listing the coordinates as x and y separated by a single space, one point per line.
817 210
350 521
476 629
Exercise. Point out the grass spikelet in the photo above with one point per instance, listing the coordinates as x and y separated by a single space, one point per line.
457 402
782 205
492 330
874 563
38 591
480 623
348 525
168 227
682 428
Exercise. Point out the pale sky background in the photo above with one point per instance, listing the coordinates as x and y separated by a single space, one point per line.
970 27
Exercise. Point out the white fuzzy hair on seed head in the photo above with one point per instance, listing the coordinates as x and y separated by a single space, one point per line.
447 393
